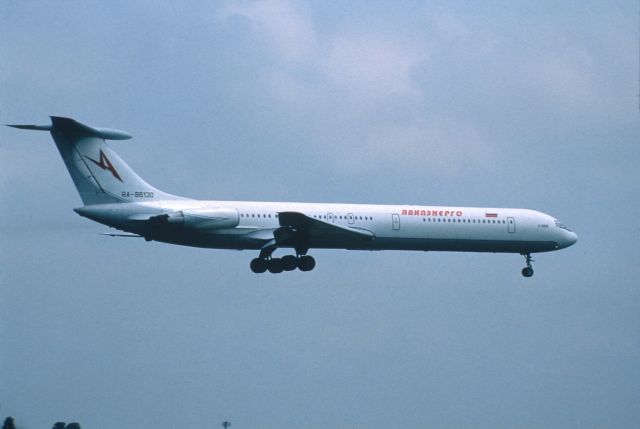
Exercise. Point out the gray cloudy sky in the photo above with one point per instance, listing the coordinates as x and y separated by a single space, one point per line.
520 104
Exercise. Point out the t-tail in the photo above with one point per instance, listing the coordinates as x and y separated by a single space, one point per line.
99 174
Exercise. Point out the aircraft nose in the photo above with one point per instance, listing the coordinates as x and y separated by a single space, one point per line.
570 238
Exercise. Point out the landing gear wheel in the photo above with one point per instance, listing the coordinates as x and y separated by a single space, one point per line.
306 263
289 262
258 265
528 270
274 265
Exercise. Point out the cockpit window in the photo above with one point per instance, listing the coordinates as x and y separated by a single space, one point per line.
560 225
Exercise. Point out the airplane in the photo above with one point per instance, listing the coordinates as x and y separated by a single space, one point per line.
114 195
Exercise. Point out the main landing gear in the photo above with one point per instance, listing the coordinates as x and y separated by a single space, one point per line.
286 263
528 270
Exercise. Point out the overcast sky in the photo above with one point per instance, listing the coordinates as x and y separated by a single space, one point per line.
516 104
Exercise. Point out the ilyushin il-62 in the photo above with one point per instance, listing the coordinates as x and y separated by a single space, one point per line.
114 195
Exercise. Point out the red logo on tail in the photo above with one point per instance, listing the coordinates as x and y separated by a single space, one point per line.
105 164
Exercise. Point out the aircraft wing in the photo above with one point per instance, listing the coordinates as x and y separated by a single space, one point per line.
319 230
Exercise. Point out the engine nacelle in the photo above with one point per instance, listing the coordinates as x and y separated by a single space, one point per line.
205 218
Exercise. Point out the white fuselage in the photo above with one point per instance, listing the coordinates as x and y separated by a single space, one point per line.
246 225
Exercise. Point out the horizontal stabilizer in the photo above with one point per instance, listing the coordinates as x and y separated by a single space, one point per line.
73 127
31 127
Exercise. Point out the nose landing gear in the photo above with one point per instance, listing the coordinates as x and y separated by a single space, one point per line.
528 270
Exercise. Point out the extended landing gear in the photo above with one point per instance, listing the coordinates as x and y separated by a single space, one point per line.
528 270
286 263
259 265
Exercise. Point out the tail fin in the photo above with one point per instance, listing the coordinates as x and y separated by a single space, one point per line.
100 175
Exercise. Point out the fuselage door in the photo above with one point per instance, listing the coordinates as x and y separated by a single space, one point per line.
511 225
350 218
395 222
330 217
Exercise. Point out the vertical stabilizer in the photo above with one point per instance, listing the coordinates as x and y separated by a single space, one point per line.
99 174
